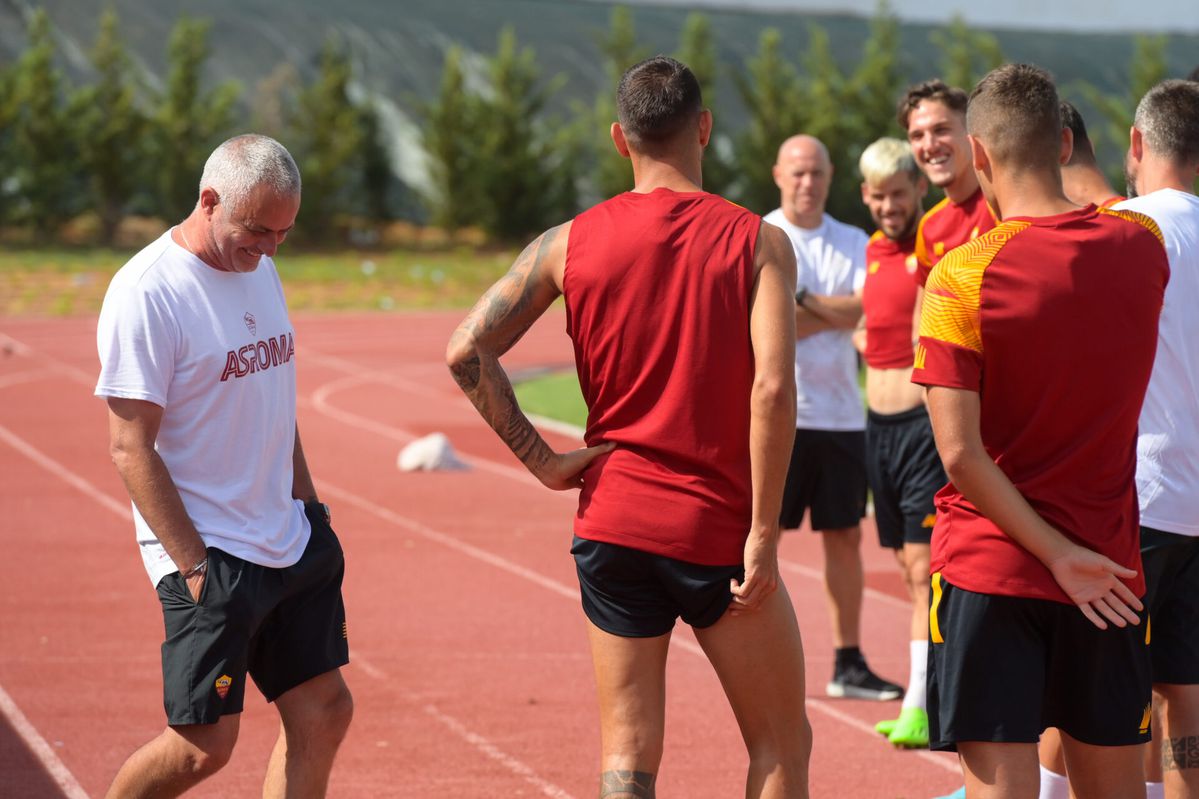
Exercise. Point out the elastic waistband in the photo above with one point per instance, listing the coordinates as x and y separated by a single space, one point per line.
902 417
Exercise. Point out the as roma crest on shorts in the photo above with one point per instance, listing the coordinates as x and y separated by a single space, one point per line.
222 685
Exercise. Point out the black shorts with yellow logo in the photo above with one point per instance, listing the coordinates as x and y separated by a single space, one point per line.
283 626
905 473
1001 669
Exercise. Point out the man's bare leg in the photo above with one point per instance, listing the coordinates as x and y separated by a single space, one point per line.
1180 739
1103 772
843 582
1000 770
630 680
314 718
759 659
178 759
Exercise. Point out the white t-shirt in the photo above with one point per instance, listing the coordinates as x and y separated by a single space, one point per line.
1168 440
832 262
217 351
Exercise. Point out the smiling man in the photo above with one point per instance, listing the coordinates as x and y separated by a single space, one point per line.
197 365
934 116
902 464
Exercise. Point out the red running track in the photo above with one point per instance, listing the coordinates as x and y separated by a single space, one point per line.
469 661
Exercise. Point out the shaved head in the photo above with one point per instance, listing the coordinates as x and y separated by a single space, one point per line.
802 146
1015 113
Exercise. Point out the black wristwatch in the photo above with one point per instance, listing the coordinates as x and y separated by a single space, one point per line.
800 295
313 506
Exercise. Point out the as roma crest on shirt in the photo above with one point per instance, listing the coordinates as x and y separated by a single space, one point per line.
910 264
222 685
251 325
874 265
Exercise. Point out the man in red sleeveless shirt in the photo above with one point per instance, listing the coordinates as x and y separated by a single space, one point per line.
934 116
681 308
1039 522
902 464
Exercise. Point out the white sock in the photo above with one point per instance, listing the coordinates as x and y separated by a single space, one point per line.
917 693
1053 785
1155 790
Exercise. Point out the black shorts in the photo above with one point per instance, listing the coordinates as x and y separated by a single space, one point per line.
1002 669
637 594
828 475
1171 564
283 626
905 473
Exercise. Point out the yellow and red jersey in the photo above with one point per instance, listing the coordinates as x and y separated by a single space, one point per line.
1053 322
948 225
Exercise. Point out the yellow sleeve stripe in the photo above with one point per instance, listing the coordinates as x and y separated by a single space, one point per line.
934 626
921 246
1139 218
952 296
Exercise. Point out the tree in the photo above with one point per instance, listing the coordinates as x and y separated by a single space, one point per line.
878 80
697 50
448 137
43 146
8 161
189 122
613 172
327 135
111 128
374 162
1146 69
771 92
526 172
967 54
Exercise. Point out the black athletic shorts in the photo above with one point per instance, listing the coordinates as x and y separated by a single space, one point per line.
283 626
1171 564
827 475
905 473
637 594
1002 669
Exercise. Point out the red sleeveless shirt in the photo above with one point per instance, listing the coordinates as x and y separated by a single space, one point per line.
657 293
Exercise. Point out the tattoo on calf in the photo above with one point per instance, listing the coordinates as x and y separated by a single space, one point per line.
1180 753
621 784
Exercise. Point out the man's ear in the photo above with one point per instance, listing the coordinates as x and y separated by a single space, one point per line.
1067 147
622 145
705 127
978 155
209 200
1136 143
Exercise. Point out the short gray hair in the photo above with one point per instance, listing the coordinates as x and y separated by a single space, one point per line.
242 164
1168 119
886 158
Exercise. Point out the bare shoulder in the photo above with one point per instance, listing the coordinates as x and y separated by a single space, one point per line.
774 247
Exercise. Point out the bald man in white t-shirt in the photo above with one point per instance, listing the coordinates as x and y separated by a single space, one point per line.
827 477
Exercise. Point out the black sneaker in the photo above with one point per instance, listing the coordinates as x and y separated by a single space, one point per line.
857 681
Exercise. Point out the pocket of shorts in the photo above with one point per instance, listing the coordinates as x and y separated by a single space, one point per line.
208 575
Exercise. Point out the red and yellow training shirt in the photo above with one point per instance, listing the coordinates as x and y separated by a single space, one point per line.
1053 321
889 301
947 225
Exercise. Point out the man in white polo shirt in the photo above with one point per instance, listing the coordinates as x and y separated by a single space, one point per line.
827 476
1162 163
197 362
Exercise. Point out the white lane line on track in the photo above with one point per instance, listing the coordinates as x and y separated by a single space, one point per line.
58 470
479 742
58 772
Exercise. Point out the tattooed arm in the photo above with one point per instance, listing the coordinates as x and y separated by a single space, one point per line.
494 325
